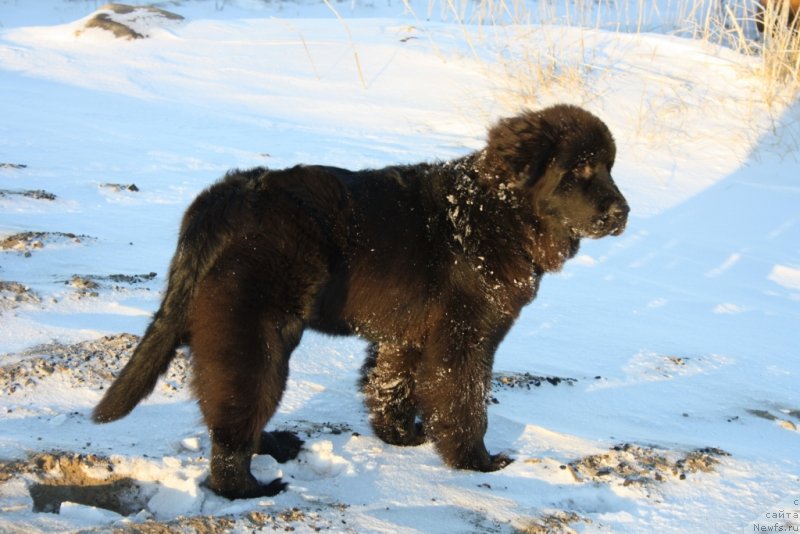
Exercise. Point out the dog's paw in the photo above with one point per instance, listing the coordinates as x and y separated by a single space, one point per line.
402 437
280 444
254 489
491 463
270 490
481 460
499 461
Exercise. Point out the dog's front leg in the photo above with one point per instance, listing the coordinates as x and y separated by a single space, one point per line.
453 384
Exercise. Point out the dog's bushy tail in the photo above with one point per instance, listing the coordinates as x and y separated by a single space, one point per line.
149 361
205 229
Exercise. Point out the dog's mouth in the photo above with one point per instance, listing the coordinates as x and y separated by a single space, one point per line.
602 226
618 230
616 227
613 221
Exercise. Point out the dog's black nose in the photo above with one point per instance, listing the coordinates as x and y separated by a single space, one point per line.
619 211
617 216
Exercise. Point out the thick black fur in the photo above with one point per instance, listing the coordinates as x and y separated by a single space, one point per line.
431 263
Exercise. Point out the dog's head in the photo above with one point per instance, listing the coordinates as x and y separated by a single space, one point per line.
560 160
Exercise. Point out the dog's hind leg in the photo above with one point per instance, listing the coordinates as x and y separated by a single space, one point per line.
388 386
241 342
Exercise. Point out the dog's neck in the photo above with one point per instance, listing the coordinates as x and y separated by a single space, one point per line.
476 185
553 248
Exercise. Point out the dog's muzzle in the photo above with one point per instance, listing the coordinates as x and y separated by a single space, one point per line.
613 221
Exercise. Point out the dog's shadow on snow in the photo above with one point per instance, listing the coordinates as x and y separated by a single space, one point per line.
67 477
122 496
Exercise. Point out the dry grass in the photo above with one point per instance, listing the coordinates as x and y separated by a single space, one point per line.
534 59
776 51
780 51
560 51
352 43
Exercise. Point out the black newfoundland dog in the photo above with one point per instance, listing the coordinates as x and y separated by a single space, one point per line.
431 263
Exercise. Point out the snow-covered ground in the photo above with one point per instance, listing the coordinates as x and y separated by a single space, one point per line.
676 344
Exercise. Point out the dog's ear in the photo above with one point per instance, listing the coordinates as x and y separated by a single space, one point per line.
525 145
560 138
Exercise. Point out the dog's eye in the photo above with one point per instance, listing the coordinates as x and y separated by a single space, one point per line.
584 171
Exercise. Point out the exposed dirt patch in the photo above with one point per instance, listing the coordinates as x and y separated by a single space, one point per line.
310 428
255 521
104 21
13 468
118 188
285 517
128 22
195 525
90 364
781 421
129 279
527 380
555 523
630 464
12 294
26 242
89 285
86 286
36 194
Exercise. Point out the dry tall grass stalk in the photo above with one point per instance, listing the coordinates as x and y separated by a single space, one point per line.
776 51
524 58
728 23
530 56
352 43
780 49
